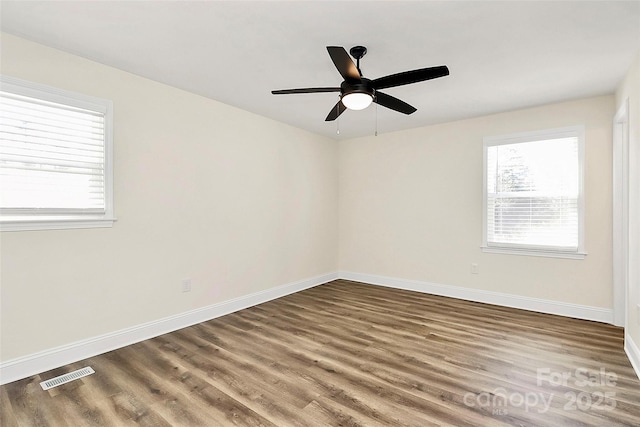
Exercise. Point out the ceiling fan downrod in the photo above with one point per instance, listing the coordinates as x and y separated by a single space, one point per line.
358 52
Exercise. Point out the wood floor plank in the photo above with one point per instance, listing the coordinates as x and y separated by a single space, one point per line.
7 417
350 354
29 404
232 380
354 359
317 373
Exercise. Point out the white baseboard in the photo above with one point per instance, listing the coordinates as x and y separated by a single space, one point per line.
597 314
633 353
36 363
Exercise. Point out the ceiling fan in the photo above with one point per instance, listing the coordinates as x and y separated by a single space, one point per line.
357 92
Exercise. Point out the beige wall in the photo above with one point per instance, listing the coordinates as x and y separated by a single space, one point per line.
630 89
237 202
411 207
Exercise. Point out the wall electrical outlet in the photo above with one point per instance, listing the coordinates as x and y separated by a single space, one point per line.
474 268
186 285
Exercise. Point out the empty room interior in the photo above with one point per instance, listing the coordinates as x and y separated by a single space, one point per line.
305 213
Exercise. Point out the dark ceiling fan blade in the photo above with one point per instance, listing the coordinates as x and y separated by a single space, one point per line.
344 64
393 103
408 77
305 90
335 111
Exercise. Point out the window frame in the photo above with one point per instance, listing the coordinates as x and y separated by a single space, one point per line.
533 250
47 219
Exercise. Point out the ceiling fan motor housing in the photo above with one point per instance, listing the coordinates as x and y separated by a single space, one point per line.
363 86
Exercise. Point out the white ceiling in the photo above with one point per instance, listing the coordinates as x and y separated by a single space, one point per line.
502 55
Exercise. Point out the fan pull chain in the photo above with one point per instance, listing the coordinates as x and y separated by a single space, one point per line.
338 118
376 134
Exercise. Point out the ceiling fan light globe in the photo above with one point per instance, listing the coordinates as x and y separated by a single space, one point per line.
357 100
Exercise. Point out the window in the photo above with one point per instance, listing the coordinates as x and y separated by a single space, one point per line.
55 158
533 193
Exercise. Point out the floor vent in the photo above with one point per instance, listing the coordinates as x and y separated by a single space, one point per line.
63 379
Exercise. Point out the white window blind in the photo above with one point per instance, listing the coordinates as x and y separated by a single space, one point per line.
533 192
54 156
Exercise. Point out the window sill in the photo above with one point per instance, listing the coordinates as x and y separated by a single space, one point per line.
533 252
13 223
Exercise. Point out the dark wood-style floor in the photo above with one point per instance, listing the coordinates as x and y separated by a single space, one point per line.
349 354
